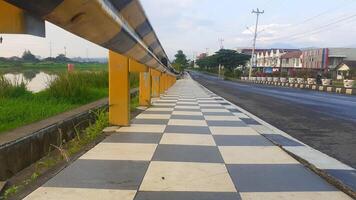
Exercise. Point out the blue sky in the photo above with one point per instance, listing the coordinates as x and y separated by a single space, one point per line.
196 25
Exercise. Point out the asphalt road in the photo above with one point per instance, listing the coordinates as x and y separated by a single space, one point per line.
324 121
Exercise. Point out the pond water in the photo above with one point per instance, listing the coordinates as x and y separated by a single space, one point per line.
35 81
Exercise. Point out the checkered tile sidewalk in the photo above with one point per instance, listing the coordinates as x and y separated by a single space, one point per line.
190 145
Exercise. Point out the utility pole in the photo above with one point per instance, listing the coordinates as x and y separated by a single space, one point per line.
258 13
221 40
50 49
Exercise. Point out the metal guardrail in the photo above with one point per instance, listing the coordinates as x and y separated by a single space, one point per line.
118 25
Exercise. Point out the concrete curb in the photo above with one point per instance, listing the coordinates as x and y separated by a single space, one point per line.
334 171
21 147
2 185
321 88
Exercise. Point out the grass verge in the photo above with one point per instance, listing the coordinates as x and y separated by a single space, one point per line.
19 107
63 152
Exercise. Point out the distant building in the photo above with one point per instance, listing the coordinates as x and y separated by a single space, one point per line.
291 61
344 69
326 58
202 55
270 60
248 51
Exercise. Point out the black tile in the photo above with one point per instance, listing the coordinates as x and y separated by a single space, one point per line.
187 153
187 129
281 140
134 138
149 121
250 121
276 178
162 106
101 174
347 177
144 195
190 117
208 102
226 123
212 107
180 103
234 110
241 140
187 109
218 113
182 99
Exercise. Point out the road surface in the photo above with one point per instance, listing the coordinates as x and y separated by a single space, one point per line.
324 121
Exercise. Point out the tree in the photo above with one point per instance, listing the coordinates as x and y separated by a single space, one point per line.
230 59
180 62
62 58
28 56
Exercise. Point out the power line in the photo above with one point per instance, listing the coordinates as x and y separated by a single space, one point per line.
305 33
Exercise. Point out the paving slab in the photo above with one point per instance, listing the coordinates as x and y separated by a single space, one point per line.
200 148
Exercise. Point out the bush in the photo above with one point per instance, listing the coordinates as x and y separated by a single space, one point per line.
7 89
76 87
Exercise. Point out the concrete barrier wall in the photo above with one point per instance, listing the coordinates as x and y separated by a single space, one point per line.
334 89
24 146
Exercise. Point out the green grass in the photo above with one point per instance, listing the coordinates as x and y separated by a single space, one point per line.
48 67
19 107
64 152
15 112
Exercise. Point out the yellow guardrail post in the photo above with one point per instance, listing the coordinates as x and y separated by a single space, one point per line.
145 82
11 18
145 89
161 83
119 89
155 82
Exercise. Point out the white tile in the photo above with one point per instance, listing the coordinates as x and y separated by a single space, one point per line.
188 139
207 101
143 128
187 113
187 103
214 110
186 176
188 107
111 129
224 130
159 109
186 99
313 195
241 115
153 116
255 155
121 151
163 104
185 122
230 107
262 129
210 105
55 193
221 118
165 101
